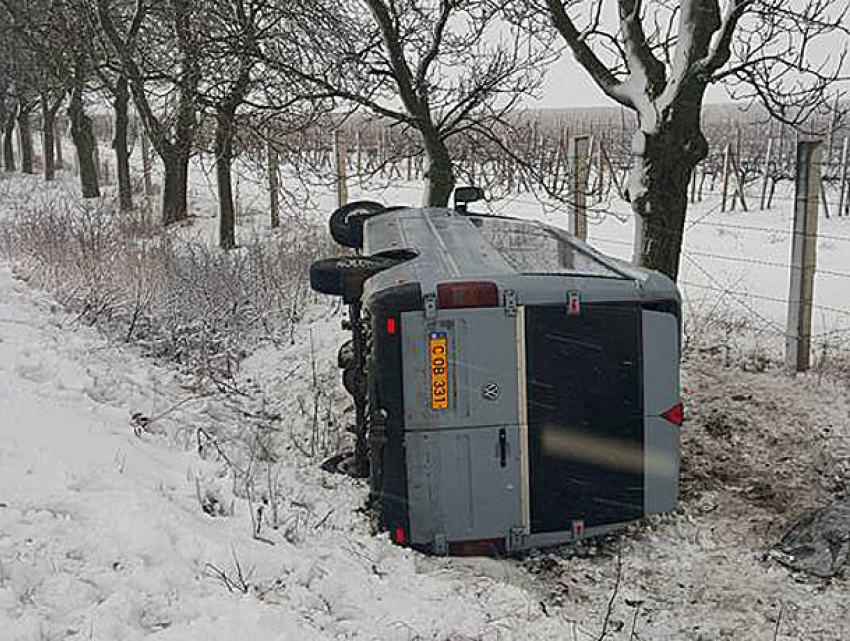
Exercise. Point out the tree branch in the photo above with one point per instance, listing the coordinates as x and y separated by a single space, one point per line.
601 74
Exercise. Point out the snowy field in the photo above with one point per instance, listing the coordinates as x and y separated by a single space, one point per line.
114 528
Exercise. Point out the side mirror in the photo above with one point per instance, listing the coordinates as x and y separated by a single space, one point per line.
465 195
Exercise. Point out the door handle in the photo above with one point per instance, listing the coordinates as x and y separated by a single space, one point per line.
503 447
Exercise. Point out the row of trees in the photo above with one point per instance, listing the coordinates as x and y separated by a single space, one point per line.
439 69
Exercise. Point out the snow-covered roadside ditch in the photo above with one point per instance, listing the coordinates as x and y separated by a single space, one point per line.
103 534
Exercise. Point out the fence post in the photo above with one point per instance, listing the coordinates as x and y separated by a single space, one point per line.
739 182
766 177
146 168
842 181
580 169
273 164
803 256
359 155
727 152
341 153
58 132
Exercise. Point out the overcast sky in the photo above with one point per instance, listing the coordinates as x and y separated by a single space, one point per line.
569 85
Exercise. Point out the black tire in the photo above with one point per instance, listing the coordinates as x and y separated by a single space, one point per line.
354 383
345 355
345 276
346 223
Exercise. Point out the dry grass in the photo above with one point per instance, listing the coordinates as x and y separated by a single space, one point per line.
181 300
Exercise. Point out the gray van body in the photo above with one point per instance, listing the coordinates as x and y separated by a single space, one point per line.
555 429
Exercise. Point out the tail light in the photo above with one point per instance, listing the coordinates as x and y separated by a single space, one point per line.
467 294
398 536
675 415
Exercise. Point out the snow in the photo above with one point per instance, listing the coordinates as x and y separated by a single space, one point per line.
104 533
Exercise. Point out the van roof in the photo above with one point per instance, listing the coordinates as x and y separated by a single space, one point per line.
449 245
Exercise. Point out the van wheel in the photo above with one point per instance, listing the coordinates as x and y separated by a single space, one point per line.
354 383
345 276
345 355
346 223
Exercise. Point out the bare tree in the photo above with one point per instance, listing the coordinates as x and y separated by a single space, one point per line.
437 68
658 58
8 108
112 81
158 46
22 74
231 52
54 59
8 104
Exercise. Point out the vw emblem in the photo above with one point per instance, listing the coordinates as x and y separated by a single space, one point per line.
490 391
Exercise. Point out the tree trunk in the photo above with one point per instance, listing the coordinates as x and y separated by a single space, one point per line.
47 140
82 134
25 133
8 149
223 163
175 189
119 144
665 159
440 179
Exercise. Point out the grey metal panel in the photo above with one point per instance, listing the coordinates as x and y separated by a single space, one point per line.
660 362
661 392
458 487
482 348
661 466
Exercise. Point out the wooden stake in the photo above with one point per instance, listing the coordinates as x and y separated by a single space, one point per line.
727 153
146 167
580 171
739 183
766 173
358 141
57 137
803 257
845 156
273 164
341 170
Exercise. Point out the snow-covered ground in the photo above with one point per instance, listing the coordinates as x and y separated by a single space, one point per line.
109 530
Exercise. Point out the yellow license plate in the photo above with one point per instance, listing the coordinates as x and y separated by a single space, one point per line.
438 357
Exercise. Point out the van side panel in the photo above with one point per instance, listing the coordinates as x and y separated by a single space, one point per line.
388 472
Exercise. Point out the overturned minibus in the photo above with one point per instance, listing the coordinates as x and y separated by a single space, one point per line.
514 388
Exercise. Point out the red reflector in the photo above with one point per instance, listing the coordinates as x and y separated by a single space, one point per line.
468 294
676 415
398 536
391 326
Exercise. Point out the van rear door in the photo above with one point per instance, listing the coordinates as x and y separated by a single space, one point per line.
461 425
584 415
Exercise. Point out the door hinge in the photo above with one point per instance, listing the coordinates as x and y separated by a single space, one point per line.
516 539
430 306
441 547
510 302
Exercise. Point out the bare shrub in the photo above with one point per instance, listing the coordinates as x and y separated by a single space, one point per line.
180 299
